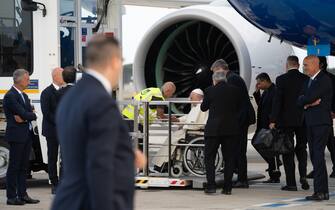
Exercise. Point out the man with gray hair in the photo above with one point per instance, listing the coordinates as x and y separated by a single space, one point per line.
19 132
224 102
246 118
219 76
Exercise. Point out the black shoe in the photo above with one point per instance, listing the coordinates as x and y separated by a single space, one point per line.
289 188
210 191
15 202
318 197
332 175
239 184
304 184
269 181
226 192
310 175
29 200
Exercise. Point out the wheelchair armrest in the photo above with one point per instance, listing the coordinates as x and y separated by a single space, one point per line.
200 132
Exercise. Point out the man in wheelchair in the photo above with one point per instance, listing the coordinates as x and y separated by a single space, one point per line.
195 116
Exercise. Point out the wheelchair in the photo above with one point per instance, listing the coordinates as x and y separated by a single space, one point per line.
190 160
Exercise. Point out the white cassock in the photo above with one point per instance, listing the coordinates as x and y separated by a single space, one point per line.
194 116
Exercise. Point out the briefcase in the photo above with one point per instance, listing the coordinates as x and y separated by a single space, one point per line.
281 142
272 142
263 141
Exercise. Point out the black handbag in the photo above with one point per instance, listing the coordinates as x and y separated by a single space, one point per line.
281 142
272 142
263 141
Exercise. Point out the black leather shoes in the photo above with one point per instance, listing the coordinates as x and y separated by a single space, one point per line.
332 175
304 184
210 191
239 184
15 202
29 200
310 175
289 188
226 192
269 181
318 197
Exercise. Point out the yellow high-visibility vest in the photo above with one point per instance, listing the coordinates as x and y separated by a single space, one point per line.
145 95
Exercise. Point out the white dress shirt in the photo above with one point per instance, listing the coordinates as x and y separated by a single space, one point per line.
315 75
102 79
55 86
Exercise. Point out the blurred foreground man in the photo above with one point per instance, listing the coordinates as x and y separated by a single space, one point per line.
19 134
317 100
224 102
96 148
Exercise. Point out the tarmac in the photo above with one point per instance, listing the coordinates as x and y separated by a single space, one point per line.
258 197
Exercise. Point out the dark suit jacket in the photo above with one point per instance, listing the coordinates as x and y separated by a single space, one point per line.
224 102
264 109
62 91
247 115
96 150
13 104
49 106
320 88
332 78
289 86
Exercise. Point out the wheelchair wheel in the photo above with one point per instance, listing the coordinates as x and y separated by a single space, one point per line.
194 158
176 170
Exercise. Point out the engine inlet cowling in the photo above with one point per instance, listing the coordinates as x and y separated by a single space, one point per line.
184 52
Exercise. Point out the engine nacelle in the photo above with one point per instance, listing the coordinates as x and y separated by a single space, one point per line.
182 46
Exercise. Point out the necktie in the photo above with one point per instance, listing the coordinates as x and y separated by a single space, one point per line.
310 82
30 125
24 101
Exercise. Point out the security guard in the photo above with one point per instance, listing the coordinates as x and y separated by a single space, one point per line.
150 94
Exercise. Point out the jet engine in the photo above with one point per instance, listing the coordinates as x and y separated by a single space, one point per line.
182 46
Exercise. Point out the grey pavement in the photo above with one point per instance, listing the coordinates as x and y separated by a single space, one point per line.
259 196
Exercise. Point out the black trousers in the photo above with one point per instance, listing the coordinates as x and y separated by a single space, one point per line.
318 137
230 147
19 154
301 152
53 146
242 163
331 147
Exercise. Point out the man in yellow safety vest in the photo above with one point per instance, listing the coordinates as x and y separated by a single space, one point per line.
150 94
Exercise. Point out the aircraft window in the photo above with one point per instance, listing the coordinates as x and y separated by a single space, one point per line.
16 38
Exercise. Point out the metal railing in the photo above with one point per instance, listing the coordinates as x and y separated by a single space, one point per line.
136 134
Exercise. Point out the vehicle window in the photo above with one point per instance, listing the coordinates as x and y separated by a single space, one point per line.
16 38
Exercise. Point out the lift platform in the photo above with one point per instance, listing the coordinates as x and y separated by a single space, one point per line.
161 181
186 177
